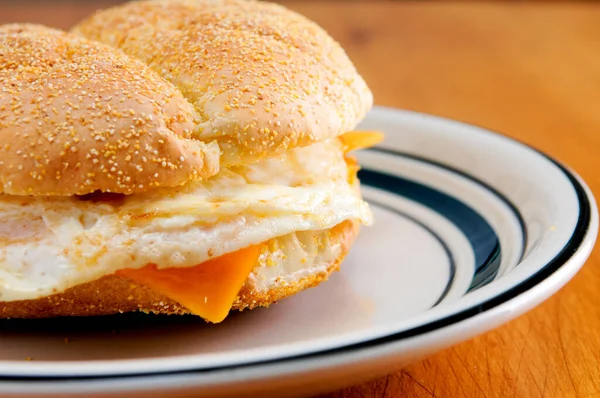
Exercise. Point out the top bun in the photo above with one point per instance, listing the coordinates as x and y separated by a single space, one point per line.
78 116
263 79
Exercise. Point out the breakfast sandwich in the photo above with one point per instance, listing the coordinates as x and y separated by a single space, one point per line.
175 157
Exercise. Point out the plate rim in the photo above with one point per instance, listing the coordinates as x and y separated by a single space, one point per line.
584 232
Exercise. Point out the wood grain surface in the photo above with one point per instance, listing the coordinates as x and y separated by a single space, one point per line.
528 70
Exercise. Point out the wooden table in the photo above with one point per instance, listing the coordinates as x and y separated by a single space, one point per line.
529 70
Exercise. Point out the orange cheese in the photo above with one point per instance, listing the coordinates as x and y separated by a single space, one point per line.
207 290
355 140
353 169
360 139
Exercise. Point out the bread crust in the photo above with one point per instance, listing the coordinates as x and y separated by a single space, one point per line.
78 116
115 294
263 78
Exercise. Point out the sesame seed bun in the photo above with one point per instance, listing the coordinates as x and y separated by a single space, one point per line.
267 284
78 116
158 93
264 79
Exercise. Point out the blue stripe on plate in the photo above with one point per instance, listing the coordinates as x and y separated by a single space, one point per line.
488 275
481 236
447 251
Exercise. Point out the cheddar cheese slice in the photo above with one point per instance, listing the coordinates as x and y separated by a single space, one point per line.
353 140
208 289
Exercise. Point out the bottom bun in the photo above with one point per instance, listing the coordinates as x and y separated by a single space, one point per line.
287 265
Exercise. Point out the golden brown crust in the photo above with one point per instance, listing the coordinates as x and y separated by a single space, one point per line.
264 79
250 296
78 116
114 294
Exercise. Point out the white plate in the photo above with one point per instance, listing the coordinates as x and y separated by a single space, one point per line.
472 229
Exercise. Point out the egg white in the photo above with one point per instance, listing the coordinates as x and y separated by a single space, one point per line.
48 245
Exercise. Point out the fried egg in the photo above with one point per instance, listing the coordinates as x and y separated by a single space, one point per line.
49 244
